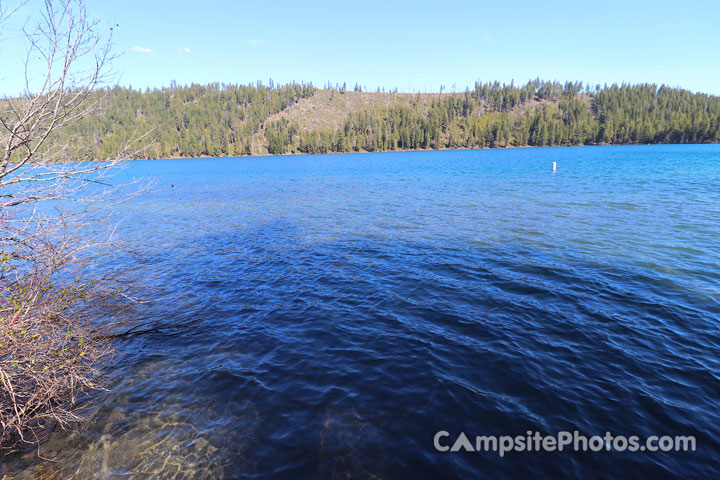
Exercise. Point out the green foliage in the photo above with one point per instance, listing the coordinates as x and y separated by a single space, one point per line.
222 120
538 114
188 121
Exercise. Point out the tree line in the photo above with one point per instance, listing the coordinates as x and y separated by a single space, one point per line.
535 114
184 121
228 120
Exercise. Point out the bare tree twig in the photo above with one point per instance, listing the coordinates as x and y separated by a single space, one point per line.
49 344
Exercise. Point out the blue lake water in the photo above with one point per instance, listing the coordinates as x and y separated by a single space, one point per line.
325 316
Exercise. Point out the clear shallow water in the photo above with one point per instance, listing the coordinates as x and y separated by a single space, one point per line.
325 316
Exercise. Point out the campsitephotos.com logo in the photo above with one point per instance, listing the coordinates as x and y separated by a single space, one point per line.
573 441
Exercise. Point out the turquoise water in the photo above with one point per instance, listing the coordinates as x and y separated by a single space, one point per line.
325 316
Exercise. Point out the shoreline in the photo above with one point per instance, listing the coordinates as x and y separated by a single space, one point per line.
364 152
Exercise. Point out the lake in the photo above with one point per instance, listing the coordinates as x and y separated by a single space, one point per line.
325 316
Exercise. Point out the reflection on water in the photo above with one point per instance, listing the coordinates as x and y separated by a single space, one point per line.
324 316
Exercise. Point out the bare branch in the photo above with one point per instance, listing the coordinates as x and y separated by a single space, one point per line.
49 345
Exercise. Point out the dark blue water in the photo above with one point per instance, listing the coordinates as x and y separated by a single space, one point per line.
325 316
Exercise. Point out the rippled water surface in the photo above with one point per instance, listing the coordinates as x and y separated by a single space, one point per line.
325 316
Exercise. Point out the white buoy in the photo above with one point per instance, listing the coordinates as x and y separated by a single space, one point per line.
554 166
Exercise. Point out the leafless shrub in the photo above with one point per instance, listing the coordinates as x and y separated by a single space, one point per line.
49 348
48 351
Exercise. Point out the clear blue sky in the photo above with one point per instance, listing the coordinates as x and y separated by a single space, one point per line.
416 46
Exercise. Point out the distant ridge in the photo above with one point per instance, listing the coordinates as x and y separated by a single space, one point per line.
230 120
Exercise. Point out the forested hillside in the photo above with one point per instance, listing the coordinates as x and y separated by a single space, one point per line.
228 120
